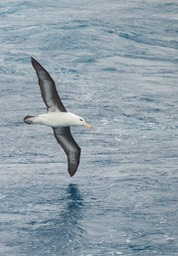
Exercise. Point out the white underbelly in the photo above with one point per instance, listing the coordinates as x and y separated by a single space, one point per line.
53 119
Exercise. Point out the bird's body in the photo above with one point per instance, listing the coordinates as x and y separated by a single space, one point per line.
57 117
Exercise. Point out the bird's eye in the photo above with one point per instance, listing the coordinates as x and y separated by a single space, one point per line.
81 119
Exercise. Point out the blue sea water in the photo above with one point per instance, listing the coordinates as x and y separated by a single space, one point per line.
116 64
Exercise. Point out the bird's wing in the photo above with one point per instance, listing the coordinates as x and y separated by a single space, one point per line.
48 88
70 147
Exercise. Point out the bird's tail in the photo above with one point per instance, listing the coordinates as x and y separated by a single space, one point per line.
28 119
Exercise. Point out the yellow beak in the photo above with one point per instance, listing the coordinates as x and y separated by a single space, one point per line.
87 125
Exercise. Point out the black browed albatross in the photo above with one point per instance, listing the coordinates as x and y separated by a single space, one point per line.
57 117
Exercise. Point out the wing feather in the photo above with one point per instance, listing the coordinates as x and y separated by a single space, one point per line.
48 88
70 147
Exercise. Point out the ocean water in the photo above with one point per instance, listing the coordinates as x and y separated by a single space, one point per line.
115 63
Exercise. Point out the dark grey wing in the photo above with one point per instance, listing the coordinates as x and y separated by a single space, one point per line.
70 147
48 88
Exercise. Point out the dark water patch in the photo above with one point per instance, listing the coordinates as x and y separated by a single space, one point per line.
150 41
110 69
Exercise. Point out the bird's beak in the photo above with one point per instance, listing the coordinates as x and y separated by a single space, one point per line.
87 125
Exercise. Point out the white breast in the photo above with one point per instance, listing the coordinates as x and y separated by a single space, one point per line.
56 119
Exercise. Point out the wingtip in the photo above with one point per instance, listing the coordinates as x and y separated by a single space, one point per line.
72 170
71 173
33 60
36 64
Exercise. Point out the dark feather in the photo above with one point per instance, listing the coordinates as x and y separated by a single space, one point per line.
70 147
48 88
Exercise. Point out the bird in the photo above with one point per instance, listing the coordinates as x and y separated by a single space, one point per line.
57 117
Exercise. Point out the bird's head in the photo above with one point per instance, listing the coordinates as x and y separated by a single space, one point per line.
81 121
